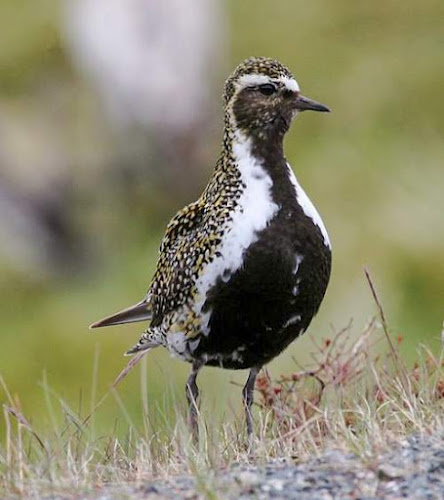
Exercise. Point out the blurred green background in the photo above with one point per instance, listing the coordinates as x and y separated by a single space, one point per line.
84 204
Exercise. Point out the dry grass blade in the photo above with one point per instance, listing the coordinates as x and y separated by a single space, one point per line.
347 397
398 363
131 364
18 415
357 402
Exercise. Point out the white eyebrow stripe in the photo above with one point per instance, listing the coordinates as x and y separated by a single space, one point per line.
290 83
255 79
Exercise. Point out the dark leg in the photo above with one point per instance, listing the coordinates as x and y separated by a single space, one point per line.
247 396
192 392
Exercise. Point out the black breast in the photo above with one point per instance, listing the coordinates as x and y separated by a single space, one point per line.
273 297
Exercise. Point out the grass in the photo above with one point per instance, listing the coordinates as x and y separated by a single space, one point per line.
373 168
358 395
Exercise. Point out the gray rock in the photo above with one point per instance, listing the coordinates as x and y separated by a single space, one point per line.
414 470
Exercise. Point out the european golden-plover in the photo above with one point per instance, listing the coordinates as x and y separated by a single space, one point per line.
242 270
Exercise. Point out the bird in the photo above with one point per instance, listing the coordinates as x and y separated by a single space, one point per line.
243 270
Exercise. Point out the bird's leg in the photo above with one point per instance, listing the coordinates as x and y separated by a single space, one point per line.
247 396
192 392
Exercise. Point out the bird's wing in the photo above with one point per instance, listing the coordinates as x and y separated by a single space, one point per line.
169 284
179 254
182 224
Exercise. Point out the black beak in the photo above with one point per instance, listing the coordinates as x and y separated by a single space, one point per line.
304 103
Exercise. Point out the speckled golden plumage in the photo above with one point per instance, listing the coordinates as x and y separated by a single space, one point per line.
193 235
226 290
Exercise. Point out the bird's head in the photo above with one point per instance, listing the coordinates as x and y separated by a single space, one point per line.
262 97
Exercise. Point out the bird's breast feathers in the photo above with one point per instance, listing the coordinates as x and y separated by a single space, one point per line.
252 212
195 264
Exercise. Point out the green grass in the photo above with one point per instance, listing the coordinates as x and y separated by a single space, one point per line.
373 167
357 394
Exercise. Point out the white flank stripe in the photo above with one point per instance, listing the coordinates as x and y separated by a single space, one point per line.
308 207
254 211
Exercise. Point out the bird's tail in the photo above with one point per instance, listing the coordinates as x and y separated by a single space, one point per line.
146 341
138 312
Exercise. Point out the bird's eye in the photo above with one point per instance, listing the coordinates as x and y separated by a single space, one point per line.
267 88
